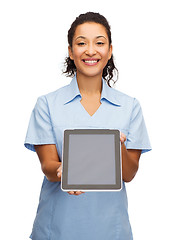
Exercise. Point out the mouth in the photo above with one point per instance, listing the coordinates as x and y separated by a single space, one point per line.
90 62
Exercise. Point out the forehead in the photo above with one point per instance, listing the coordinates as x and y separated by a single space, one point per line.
90 30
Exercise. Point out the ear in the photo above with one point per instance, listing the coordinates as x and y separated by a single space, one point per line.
70 52
110 52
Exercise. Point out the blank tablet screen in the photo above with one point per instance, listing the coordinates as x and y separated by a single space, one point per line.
91 159
93 156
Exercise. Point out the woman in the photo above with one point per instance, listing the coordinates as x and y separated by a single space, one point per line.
87 102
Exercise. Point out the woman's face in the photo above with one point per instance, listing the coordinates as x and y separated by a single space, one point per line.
91 49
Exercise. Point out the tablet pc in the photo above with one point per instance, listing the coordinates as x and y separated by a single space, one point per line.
91 160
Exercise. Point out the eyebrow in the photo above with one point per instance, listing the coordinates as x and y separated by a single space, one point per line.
85 37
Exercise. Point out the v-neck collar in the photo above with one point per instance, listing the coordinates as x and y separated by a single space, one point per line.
107 93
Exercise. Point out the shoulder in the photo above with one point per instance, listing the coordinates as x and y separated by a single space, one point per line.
124 99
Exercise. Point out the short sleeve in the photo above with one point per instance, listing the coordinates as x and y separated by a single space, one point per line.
40 130
137 137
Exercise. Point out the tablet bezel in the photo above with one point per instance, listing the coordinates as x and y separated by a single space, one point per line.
91 187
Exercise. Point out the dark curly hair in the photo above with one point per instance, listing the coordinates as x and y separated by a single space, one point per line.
110 68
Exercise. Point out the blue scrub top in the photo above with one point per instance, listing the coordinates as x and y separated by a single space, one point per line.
91 215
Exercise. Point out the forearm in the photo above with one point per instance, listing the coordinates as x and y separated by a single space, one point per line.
50 170
49 160
129 164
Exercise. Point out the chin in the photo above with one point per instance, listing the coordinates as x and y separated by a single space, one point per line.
90 73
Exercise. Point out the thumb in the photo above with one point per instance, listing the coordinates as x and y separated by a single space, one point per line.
122 138
59 171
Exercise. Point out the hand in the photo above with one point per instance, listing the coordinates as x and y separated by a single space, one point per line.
75 193
59 173
122 138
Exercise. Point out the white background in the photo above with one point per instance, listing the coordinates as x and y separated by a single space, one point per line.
33 45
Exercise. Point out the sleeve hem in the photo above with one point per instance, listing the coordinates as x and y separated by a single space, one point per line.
29 144
144 149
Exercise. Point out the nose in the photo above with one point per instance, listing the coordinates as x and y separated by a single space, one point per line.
90 50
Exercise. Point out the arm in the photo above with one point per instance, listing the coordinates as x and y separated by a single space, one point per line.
49 160
130 161
50 164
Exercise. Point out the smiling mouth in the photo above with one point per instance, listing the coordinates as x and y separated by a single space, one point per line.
91 62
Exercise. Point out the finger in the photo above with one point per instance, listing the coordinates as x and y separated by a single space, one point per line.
71 192
59 171
81 192
60 168
121 140
59 174
78 193
122 137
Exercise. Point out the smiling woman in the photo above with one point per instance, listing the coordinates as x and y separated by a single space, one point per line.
88 102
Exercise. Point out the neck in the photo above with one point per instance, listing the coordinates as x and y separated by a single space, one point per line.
89 85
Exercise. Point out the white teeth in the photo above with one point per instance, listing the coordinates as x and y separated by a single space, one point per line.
92 61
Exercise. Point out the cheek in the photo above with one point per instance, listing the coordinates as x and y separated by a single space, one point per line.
104 53
77 52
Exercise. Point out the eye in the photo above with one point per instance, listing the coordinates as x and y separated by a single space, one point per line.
81 44
100 43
